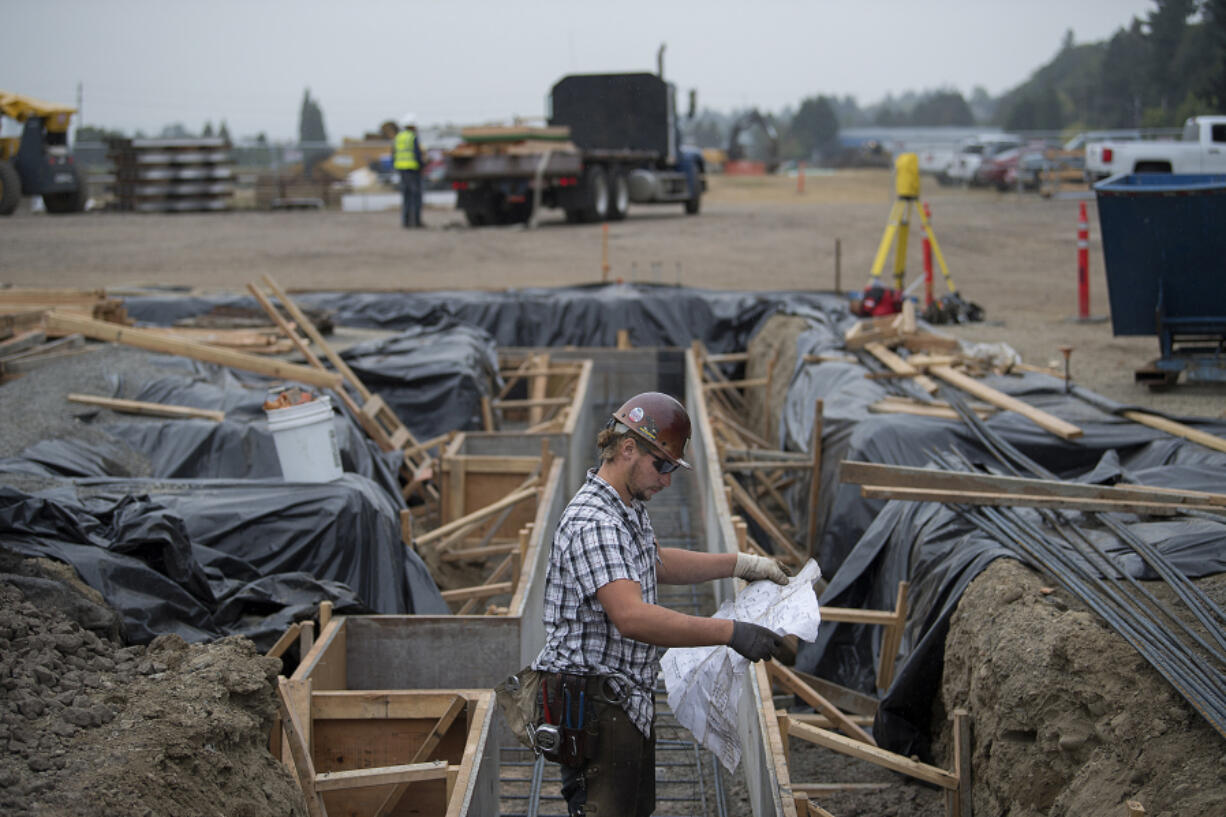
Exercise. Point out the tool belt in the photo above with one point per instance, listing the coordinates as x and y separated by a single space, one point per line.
555 714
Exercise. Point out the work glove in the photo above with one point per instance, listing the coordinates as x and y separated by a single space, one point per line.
751 568
754 642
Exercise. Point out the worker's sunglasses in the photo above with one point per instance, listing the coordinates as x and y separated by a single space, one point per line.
664 466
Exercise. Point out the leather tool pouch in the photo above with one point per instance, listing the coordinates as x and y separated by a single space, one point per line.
567 733
519 700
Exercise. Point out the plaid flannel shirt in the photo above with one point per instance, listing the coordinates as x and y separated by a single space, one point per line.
600 540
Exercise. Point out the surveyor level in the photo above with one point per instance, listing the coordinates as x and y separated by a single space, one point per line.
907 184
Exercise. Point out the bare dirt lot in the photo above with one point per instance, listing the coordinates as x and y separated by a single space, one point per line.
1016 256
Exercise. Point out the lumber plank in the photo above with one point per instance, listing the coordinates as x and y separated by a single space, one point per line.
854 615
1022 500
746 502
815 480
479 591
299 752
381 776
873 754
476 516
788 679
1177 429
22 342
1042 419
899 366
384 704
903 476
114 333
150 409
283 643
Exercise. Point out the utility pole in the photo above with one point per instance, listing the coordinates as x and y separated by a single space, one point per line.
80 108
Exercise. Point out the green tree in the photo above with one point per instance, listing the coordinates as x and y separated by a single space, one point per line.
224 132
815 127
1037 109
1123 78
311 120
942 108
1213 86
311 134
207 133
1167 24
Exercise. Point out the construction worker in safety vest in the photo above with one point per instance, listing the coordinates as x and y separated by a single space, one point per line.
406 158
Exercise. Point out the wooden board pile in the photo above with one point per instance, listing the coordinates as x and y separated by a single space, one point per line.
519 140
24 342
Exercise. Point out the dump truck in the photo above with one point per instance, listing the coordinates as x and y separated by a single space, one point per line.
38 163
610 139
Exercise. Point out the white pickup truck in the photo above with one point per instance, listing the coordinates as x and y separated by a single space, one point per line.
1201 149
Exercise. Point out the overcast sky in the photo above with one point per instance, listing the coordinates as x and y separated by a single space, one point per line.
146 63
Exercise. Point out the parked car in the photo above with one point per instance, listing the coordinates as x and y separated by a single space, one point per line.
991 171
974 151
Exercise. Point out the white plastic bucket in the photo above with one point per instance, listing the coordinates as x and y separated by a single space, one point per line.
306 441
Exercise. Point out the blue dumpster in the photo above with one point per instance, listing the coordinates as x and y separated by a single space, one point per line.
1164 244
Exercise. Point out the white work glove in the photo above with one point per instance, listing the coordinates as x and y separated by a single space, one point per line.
751 568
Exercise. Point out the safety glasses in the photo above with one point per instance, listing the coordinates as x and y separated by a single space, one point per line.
664 466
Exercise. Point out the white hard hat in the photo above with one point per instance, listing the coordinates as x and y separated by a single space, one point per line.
409 120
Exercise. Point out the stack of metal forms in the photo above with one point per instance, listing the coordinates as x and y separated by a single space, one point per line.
172 175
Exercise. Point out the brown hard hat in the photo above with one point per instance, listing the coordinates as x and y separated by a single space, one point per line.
661 421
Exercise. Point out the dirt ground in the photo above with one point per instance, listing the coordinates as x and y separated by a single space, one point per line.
1015 256
71 694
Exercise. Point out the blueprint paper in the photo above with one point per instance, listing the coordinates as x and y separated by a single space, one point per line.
704 683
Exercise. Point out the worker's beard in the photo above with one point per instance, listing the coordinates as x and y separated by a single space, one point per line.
643 489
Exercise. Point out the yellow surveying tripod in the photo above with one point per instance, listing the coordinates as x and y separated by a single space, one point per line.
907 184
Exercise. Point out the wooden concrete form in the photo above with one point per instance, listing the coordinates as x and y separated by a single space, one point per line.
384 753
762 745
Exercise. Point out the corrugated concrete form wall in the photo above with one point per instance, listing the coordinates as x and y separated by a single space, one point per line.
762 758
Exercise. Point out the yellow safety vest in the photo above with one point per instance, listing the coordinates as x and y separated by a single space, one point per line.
405 157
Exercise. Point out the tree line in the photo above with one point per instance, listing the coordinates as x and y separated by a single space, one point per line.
1153 73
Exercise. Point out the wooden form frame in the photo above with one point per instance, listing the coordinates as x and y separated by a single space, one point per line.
554 392
343 747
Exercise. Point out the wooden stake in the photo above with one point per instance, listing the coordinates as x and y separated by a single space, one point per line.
815 484
962 761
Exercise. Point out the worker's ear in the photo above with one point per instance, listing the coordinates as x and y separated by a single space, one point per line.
627 447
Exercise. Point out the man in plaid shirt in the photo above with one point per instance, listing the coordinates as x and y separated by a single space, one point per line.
603 627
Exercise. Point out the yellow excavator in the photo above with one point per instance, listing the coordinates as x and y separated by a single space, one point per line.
37 163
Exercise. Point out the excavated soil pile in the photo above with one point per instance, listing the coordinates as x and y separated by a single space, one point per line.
94 728
1068 719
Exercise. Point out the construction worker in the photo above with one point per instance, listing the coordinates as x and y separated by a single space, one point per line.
407 160
603 626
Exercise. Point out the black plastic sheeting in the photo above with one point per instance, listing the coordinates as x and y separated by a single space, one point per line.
654 314
432 376
207 558
211 540
867 546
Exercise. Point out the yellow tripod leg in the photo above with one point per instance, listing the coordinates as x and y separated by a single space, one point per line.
888 238
936 250
900 251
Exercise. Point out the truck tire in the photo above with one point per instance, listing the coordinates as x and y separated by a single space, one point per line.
619 196
72 201
10 188
596 194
